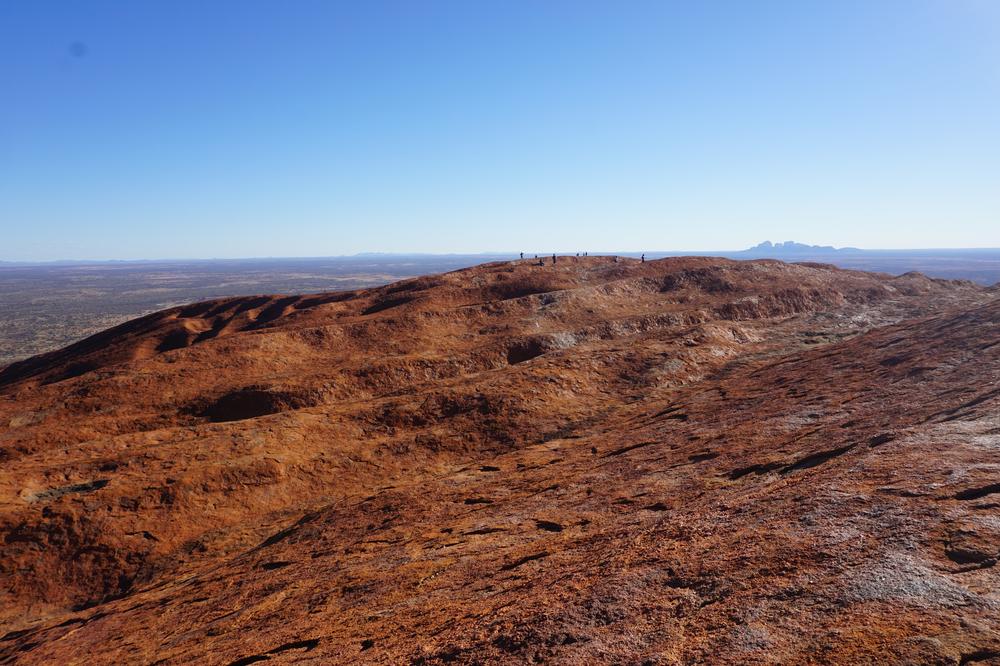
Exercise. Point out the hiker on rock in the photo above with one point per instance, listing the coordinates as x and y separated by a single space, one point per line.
522 255
643 259
553 259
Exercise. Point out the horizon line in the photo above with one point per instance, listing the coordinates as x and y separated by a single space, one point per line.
800 249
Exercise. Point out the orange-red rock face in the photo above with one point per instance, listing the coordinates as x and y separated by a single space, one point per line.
683 461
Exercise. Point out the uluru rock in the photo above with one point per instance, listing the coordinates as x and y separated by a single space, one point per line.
690 460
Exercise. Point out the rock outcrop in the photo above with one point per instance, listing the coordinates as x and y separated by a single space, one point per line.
689 460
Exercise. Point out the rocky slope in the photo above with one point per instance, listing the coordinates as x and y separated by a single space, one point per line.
602 461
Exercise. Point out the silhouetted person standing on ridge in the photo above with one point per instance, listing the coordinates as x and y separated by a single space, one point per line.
553 259
643 259
522 255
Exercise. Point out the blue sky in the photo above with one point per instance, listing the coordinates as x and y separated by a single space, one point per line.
229 129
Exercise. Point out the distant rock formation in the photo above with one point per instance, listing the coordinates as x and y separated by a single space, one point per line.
790 248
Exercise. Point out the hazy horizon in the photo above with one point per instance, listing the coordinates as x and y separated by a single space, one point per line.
487 253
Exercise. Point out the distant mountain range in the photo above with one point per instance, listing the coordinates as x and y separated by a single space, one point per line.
793 248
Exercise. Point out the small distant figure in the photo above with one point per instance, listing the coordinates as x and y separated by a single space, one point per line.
553 259
578 254
643 259
536 256
522 255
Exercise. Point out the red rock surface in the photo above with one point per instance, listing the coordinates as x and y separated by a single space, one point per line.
683 461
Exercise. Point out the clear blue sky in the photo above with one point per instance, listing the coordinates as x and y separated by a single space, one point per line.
225 129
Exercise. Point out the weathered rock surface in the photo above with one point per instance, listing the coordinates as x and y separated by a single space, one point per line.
683 461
